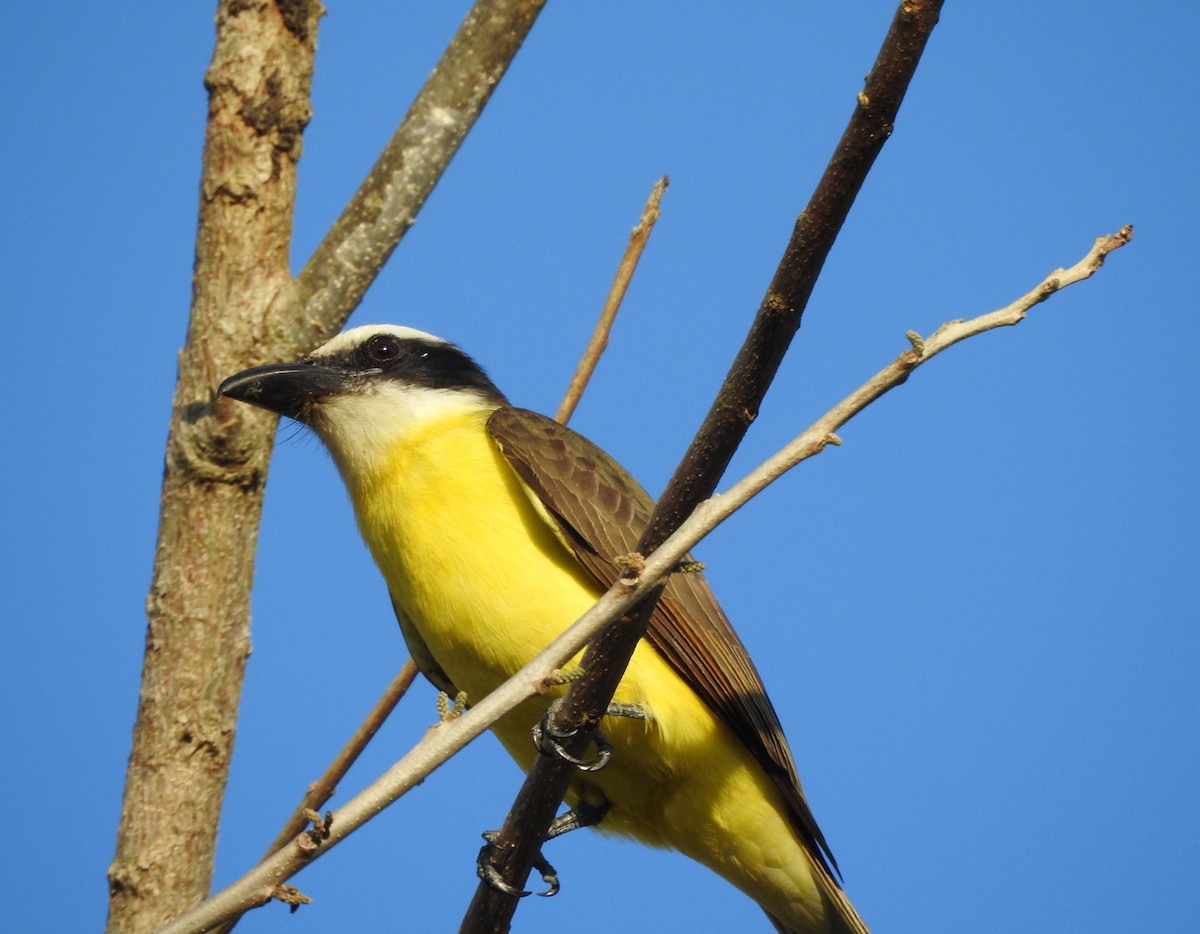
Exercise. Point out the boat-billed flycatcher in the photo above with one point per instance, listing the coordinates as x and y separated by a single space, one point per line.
495 529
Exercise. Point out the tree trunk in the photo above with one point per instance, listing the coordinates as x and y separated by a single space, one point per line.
197 639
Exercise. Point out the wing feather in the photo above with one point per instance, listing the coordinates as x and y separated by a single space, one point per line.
601 511
421 655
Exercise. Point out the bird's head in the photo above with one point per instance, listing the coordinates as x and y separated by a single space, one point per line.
368 387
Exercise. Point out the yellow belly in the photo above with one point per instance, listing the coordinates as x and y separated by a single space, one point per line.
487 585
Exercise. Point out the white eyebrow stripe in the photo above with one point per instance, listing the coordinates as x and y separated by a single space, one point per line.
348 340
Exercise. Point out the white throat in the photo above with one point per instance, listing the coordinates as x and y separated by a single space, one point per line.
360 427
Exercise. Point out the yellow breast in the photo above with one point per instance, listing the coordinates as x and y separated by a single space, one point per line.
487 585
465 555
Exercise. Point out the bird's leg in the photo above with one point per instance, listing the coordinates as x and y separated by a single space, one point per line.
628 711
549 740
583 814
488 872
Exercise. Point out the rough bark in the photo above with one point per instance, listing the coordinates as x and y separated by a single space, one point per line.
197 638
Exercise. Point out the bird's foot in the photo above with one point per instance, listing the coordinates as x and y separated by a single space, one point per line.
561 676
583 814
549 741
451 710
486 869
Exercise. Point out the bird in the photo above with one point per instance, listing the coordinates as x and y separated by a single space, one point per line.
495 528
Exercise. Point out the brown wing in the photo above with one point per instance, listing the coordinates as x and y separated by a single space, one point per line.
601 512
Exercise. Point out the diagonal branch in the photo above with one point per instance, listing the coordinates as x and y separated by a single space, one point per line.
696 477
599 340
446 738
337 275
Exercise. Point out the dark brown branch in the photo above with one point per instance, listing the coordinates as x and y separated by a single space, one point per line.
779 315
735 407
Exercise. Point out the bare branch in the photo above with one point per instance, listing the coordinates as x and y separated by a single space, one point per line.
954 331
320 791
450 735
705 461
599 340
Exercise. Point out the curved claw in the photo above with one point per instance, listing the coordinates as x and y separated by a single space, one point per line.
552 745
491 875
548 874
548 742
604 753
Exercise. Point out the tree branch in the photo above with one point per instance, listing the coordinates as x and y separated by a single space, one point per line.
337 275
696 477
447 737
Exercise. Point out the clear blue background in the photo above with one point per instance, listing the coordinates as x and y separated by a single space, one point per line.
977 618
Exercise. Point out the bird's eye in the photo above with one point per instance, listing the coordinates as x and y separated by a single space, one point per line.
383 348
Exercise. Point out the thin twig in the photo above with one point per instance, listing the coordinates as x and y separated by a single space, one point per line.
599 340
448 736
320 791
324 787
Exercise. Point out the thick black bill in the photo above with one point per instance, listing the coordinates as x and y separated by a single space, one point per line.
288 389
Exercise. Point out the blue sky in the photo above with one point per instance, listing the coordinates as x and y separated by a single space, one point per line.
978 618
